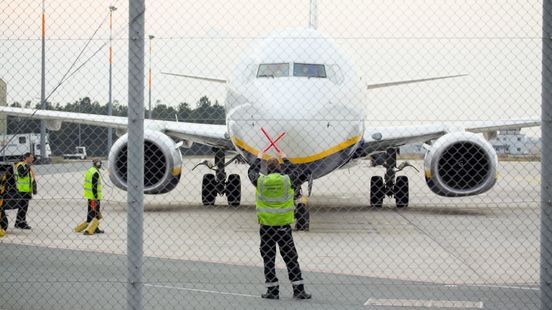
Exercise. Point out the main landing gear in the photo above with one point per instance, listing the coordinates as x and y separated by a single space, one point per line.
301 214
389 185
217 183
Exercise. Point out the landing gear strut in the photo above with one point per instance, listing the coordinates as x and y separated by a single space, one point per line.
217 183
389 185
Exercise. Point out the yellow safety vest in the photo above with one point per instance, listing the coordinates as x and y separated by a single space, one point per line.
2 189
274 200
23 183
88 193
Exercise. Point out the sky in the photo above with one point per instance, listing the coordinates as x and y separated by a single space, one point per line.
497 44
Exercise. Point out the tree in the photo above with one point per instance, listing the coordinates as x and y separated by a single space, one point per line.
94 137
184 111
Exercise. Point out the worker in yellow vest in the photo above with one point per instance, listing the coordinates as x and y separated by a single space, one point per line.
275 214
24 178
3 218
93 193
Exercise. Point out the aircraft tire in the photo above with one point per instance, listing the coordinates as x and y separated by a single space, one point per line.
302 216
401 191
208 189
233 190
377 192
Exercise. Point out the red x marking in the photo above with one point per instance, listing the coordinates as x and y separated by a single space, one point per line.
272 142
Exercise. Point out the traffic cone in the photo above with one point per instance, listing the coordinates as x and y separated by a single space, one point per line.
82 226
92 227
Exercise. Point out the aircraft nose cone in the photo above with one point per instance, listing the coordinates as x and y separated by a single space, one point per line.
325 131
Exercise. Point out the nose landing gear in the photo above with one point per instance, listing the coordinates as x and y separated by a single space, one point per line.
217 183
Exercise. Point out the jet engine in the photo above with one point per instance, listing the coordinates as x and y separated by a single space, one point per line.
460 164
162 163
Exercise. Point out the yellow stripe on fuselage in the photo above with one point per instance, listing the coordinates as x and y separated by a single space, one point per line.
301 160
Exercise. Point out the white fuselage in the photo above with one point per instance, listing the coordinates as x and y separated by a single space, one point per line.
321 113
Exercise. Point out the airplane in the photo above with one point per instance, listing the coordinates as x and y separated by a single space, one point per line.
298 84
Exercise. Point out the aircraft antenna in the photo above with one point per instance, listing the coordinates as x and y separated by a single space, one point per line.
313 14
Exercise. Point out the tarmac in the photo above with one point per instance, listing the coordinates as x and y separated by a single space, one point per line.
478 252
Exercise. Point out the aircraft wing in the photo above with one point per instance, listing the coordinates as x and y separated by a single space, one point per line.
209 134
490 126
380 138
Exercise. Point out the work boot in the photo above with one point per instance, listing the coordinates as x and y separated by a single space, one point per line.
99 231
22 225
272 292
300 293
2 232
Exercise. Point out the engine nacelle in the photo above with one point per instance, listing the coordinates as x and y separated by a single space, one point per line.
460 164
162 163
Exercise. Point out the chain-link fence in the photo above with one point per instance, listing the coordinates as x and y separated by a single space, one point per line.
408 129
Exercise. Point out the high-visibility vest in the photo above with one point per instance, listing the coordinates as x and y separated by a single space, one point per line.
23 184
274 200
3 182
88 194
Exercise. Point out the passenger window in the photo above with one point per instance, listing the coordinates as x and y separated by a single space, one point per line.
22 140
309 70
273 70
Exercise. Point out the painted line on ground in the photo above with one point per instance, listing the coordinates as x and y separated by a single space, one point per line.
527 288
457 304
200 290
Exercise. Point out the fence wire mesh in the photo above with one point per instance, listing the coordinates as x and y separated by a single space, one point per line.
409 131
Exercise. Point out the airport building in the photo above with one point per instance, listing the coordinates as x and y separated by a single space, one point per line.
513 142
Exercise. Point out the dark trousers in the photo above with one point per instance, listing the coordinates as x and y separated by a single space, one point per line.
3 219
22 206
281 235
93 210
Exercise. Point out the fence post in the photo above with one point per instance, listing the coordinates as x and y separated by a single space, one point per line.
135 170
546 161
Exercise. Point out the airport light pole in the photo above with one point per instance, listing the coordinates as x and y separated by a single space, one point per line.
109 102
149 77
43 87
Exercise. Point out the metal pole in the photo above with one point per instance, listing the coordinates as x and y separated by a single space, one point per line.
149 78
546 161
135 194
313 14
109 102
43 87
80 142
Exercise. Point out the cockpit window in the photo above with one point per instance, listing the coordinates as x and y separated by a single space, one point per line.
309 70
273 70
